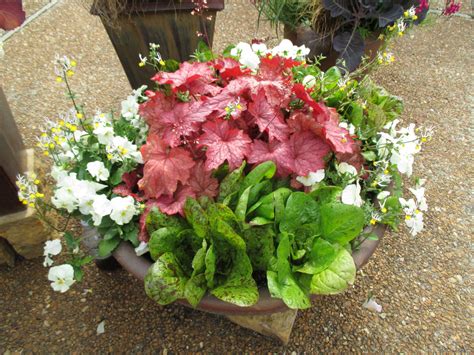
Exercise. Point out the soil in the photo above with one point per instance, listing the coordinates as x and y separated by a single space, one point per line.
423 283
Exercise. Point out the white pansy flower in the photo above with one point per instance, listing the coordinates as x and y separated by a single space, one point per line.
312 178
346 169
309 81
52 247
104 134
101 207
351 195
286 49
141 249
64 198
129 108
98 170
404 162
260 48
123 209
62 277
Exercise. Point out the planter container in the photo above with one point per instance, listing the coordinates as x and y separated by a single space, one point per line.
138 266
322 45
168 23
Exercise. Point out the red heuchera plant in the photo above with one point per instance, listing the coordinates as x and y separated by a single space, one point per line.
231 115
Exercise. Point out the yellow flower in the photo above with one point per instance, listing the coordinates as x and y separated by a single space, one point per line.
31 204
405 14
384 210
423 139
73 128
61 122
51 145
239 106
162 62
79 115
24 202
373 221
39 195
407 217
36 182
73 63
109 156
141 64
46 153
415 17
70 73
59 79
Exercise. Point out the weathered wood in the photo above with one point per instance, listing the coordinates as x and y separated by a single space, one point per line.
175 31
11 162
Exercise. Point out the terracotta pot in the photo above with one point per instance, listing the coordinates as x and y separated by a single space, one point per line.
168 23
138 266
322 44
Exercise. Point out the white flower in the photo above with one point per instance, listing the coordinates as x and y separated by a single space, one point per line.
383 195
123 209
129 108
98 170
58 173
288 50
101 207
52 247
350 127
64 198
312 178
249 59
47 261
62 277
240 47
404 162
259 48
121 149
104 134
373 306
419 193
413 215
309 81
141 249
346 169
351 195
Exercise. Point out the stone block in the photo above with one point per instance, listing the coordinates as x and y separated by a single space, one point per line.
7 254
25 233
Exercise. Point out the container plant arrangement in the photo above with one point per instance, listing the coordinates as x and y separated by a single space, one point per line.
248 179
343 30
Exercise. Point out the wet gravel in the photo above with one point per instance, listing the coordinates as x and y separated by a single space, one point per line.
424 283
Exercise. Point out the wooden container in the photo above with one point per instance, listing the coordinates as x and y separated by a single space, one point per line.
168 23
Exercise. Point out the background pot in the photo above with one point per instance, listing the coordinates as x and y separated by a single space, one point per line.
138 266
168 23
322 44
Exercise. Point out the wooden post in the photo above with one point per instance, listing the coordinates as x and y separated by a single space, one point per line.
11 159
167 23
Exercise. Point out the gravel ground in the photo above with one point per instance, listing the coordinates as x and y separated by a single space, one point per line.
424 283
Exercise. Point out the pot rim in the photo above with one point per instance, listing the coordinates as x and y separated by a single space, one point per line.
138 266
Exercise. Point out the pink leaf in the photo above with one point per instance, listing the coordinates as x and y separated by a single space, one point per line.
268 118
303 95
186 76
224 143
202 182
164 167
308 152
172 204
278 152
155 107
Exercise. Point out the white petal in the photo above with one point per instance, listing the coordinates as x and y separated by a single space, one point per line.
373 306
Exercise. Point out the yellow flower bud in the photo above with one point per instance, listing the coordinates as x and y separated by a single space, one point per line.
46 153
162 63
69 73
51 145
373 221
79 115
407 217
384 210
73 63
24 202
36 182
31 204
59 79
141 64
